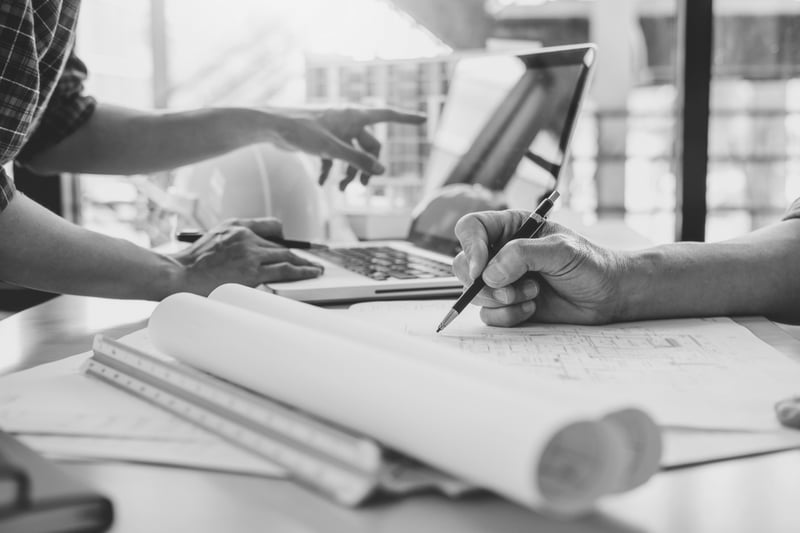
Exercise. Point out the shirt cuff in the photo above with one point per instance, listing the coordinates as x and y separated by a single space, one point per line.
58 124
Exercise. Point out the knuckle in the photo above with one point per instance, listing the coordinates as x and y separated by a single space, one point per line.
284 269
516 252
239 252
271 227
253 269
560 239
238 234
283 255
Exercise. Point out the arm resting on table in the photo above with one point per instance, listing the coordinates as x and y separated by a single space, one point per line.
752 274
41 250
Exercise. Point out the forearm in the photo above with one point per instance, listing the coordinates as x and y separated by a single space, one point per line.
751 275
124 141
40 250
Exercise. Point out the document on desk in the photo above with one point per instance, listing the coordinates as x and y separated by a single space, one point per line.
545 447
62 413
708 373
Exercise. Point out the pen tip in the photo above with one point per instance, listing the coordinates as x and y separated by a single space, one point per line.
451 315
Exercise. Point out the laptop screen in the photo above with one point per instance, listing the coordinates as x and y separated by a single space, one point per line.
505 115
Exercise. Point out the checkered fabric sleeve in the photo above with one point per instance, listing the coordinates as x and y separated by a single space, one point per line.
6 189
67 111
38 106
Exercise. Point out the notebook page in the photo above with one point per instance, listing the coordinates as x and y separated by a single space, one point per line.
455 422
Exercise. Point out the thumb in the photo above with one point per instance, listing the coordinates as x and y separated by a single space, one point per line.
477 232
552 254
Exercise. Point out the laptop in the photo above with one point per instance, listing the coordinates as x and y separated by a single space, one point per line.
504 113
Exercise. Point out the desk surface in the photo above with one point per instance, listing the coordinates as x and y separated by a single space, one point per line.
747 495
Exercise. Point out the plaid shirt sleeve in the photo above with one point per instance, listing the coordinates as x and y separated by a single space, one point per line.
18 89
6 189
68 110
40 100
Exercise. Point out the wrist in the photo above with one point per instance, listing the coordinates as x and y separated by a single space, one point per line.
172 277
246 126
636 277
272 125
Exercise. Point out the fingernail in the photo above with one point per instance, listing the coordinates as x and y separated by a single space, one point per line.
502 295
474 269
377 168
531 289
529 306
788 412
495 274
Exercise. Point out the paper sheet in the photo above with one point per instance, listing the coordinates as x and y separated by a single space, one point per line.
201 454
61 412
426 402
684 447
694 372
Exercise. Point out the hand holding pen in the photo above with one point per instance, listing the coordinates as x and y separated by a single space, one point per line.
241 251
528 230
560 276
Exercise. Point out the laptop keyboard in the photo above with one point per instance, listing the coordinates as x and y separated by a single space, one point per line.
382 263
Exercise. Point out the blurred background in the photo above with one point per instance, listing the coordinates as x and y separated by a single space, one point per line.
627 153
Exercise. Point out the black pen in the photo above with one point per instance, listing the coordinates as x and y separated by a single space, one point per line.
528 230
192 236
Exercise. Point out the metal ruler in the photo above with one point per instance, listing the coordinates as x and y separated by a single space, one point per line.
343 466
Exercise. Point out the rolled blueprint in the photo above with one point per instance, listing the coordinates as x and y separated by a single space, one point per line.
408 394
643 446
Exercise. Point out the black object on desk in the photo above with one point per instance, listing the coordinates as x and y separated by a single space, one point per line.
37 496
192 236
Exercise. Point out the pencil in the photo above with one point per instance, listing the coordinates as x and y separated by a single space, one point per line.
533 224
192 236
